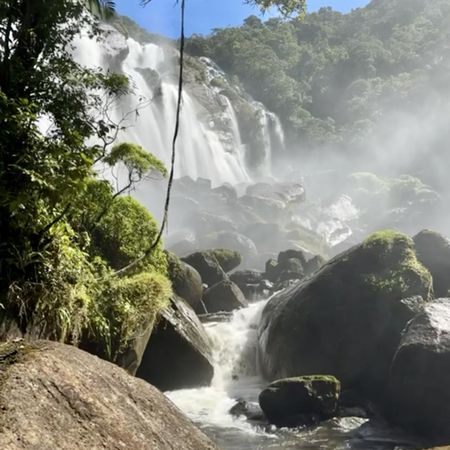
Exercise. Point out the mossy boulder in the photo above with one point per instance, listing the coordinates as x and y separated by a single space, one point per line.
55 396
433 251
178 354
228 259
292 254
234 241
347 319
286 268
289 269
300 400
224 296
419 389
186 282
207 266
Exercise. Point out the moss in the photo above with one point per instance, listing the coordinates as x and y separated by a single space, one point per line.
326 378
123 235
126 306
11 353
396 251
386 239
317 384
227 259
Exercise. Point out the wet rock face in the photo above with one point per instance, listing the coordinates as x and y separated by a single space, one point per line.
419 389
207 266
178 354
301 400
251 411
433 251
347 319
249 282
224 296
289 266
56 396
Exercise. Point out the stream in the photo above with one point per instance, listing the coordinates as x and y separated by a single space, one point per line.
236 376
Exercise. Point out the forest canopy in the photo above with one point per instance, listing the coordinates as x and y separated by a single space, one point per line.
331 76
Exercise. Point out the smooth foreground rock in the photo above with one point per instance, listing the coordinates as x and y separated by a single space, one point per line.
347 319
223 296
419 388
301 400
207 266
178 354
433 251
55 396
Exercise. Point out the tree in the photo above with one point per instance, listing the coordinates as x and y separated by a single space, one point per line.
50 109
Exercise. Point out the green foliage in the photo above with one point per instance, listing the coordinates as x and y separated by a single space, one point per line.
137 161
285 7
126 306
63 230
124 233
330 77
55 303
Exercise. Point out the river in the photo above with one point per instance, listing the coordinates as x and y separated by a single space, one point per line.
237 376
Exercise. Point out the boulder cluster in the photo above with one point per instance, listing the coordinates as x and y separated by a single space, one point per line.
375 321
207 283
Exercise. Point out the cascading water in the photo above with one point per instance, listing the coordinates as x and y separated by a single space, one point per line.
236 377
208 148
235 371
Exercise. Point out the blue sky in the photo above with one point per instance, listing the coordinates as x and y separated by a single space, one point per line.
162 16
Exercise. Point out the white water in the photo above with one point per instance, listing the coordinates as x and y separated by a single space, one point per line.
236 377
235 372
206 149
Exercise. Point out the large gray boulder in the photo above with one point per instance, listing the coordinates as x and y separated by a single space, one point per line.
301 400
207 266
433 251
186 282
347 319
178 354
419 388
223 296
56 396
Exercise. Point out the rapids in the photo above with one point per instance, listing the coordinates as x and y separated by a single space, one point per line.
236 376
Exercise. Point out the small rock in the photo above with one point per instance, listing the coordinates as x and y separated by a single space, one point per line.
301 400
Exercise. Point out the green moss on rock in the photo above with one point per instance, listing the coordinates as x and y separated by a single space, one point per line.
403 268
227 259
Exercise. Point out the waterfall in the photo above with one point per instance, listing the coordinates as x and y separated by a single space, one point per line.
210 144
235 371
